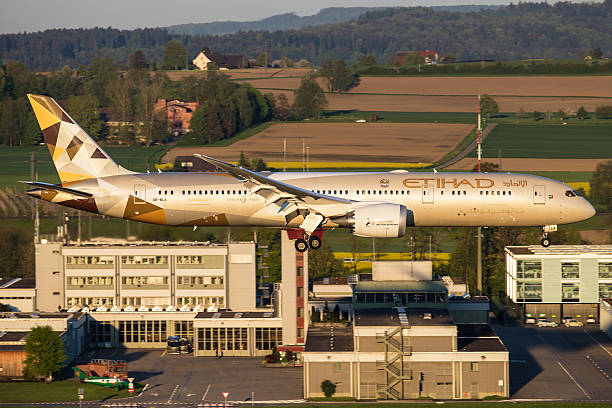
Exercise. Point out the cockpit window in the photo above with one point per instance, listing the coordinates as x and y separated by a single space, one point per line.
571 193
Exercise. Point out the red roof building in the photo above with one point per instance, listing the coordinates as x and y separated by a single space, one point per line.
178 113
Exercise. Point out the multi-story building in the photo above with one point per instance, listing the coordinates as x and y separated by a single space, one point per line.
145 275
559 281
406 353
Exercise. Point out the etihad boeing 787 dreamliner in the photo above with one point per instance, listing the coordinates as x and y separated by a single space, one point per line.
369 204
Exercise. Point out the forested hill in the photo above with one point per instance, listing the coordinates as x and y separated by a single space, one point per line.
525 30
287 21
291 21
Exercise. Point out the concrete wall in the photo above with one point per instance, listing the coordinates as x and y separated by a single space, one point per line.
240 281
605 318
551 280
49 277
290 301
20 300
338 373
402 270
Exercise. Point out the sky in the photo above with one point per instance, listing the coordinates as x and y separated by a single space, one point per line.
35 15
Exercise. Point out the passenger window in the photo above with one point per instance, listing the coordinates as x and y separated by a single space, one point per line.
509 192
345 191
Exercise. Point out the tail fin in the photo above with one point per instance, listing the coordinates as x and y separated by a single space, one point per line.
80 374
75 154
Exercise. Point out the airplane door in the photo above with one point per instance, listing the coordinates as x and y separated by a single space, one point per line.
140 192
539 194
428 195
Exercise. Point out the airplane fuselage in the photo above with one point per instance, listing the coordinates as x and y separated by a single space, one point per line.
435 199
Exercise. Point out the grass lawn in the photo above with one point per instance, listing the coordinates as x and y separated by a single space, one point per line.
399 117
469 404
16 161
67 390
549 141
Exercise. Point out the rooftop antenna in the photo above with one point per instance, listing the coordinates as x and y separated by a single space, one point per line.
479 150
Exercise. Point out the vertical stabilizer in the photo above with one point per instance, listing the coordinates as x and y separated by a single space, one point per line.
75 154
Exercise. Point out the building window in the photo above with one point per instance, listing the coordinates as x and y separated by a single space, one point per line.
300 332
222 338
142 331
205 301
300 291
202 261
100 332
570 292
300 312
605 290
528 269
300 271
184 329
529 291
266 338
474 366
134 282
605 270
570 270
144 260
90 260
90 301
89 282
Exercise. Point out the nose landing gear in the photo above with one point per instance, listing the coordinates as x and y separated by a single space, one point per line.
545 241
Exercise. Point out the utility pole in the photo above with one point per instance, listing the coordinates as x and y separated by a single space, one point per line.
479 240
284 154
36 220
79 228
32 199
266 57
308 158
303 156
499 157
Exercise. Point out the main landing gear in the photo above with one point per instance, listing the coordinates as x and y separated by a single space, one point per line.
545 241
303 241
301 245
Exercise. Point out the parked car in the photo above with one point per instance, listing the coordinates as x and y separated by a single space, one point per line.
530 320
573 323
546 323
566 319
591 320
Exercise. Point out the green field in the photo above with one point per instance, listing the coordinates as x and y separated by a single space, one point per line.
549 141
16 161
64 391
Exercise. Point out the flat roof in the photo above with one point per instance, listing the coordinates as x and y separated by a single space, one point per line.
17 283
560 250
480 344
123 243
234 315
19 315
400 286
328 339
12 336
475 330
390 317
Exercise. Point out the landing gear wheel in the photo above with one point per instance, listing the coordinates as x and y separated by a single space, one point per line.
545 242
301 245
314 242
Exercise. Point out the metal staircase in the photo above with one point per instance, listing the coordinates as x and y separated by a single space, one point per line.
397 347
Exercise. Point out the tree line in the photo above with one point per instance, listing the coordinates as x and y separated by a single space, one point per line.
103 93
518 31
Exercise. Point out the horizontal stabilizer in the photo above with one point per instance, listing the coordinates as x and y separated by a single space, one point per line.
54 187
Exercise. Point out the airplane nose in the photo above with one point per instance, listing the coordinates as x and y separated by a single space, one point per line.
588 209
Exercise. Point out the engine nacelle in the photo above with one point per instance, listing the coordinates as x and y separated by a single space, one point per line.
380 220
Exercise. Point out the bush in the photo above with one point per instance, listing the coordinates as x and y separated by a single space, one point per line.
604 112
328 388
270 359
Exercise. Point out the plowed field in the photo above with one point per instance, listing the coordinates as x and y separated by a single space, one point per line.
343 142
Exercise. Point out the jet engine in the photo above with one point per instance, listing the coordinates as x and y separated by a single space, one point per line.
380 220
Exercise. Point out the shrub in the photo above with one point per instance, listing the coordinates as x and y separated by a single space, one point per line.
604 112
328 388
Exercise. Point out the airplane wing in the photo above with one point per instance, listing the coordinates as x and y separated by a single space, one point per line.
287 197
53 187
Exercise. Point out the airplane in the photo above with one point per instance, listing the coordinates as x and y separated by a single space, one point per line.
109 382
379 205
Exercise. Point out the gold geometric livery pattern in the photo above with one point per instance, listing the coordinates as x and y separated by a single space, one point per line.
75 154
